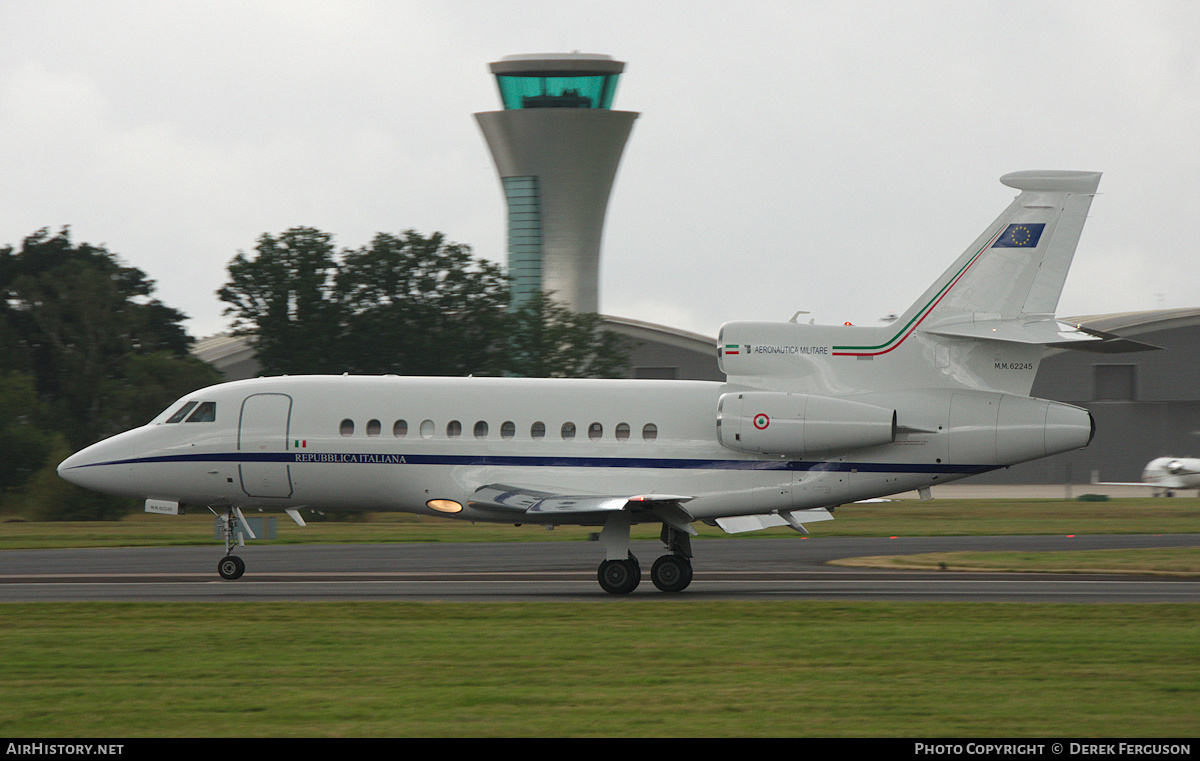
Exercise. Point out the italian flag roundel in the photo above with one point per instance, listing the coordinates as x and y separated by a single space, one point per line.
761 421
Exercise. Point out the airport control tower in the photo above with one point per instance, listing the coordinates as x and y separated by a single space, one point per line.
556 145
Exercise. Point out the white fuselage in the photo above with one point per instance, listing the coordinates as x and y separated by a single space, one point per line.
401 443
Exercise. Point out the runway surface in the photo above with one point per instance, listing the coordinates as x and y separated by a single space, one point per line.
725 569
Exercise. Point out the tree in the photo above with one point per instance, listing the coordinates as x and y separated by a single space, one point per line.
73 318
284 300
25 438
404 304
418 305
87 352
548 340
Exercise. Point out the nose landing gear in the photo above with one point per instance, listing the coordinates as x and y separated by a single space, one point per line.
233 528
231 567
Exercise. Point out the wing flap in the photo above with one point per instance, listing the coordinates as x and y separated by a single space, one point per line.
520 500
793 519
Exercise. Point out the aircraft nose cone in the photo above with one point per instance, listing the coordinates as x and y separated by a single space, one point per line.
92 469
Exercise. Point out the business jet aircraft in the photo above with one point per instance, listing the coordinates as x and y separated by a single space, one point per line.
810 417
1165 475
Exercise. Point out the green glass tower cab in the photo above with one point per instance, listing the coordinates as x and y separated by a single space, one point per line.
556 145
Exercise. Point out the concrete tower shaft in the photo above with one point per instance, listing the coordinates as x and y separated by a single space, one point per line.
556 146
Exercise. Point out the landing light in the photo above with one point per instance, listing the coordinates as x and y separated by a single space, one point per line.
444 505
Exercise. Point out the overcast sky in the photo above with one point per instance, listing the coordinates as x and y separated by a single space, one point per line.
832 157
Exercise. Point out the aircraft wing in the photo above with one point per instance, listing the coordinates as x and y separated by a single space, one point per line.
521 500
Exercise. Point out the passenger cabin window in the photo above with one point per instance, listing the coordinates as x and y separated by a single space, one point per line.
205 413
182 413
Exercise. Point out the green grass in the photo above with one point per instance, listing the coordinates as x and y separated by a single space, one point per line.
651 666
964 517
621 668
1162 561
974 517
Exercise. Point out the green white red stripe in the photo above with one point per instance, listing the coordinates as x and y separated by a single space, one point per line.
908 328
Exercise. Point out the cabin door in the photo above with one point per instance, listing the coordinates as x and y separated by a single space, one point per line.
262 444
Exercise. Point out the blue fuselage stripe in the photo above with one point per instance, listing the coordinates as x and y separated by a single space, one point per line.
513 461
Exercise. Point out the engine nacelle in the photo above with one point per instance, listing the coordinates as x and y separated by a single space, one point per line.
772 422
1002 429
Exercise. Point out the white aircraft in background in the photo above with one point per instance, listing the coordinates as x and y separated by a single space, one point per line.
1165 475
810 417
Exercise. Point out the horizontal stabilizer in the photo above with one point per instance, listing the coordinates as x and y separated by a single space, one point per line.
794 519
1051 333
1109 343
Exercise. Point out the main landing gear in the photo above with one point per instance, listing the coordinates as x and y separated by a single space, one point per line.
621 575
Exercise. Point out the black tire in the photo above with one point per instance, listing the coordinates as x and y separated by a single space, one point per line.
619 577
231 567
671 573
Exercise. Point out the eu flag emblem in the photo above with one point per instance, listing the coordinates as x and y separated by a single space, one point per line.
1024 235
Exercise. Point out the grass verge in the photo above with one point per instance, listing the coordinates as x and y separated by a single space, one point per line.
966 517
629 668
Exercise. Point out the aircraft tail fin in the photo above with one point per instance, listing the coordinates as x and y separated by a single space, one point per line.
1002 292
1014 272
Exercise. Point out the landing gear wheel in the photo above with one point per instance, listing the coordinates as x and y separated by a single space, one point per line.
671 573
231 567
619 577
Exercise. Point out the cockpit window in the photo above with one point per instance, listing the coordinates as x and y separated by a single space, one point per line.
182 413
205 413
